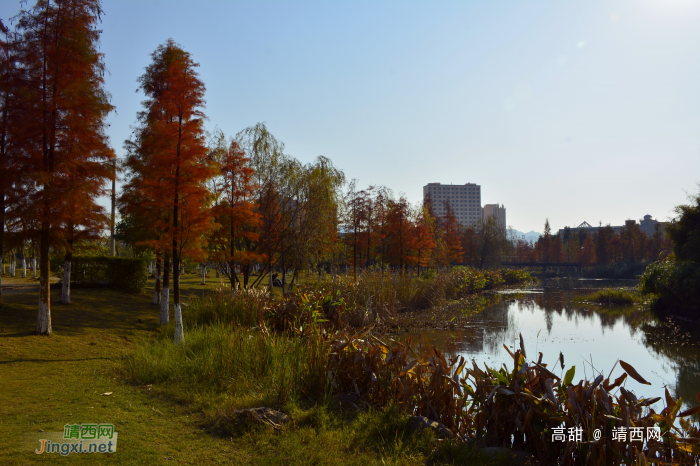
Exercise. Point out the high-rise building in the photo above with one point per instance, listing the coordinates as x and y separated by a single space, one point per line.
498 211
465 200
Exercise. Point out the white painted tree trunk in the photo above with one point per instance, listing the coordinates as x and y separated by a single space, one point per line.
24 267
165 306
12 266
204 274
179 333
65 288
34 266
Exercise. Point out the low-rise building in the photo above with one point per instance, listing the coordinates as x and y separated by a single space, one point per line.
647 225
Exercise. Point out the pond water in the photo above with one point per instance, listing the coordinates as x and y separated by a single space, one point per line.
590 337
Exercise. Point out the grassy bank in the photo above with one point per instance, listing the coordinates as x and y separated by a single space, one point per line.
484 405
48 382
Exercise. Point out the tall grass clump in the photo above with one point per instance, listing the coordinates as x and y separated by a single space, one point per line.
611 296
247 308
235 360
375 296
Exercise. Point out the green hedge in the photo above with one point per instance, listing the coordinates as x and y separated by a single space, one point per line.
122 273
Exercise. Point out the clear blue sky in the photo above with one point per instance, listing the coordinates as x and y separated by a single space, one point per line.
577 110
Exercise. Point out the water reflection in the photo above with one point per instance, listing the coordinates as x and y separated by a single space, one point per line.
589 337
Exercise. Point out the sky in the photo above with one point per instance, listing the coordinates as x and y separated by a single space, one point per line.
567 111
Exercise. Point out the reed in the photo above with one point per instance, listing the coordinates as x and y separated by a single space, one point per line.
235 360
247 308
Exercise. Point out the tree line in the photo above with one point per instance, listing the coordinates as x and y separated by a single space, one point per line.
240 202
604 246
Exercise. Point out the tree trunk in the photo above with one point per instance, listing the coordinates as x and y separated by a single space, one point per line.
12 264
165 295
204 275
24 265
291 282
65 288
33 262
43 321
284 269
156 289
179 333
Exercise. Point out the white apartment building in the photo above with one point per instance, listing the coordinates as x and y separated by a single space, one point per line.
465 200
498 211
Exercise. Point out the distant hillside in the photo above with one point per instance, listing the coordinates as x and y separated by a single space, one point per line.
529 236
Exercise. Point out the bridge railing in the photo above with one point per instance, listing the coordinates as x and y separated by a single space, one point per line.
520 260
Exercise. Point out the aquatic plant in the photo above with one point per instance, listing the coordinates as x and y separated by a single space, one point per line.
518 407
610 296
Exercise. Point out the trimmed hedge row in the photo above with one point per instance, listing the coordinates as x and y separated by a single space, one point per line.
121 273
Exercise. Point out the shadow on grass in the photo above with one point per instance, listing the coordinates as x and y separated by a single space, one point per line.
50 360
90 309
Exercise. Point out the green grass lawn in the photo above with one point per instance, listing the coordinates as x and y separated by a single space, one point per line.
47 382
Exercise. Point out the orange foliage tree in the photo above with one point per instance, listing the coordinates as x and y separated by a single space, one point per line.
399 233
587 254
470 246
10 134
236 214
175 172
452 235
423 242
63 122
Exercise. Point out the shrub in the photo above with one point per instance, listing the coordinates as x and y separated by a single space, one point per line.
674 286
122 273
628 270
